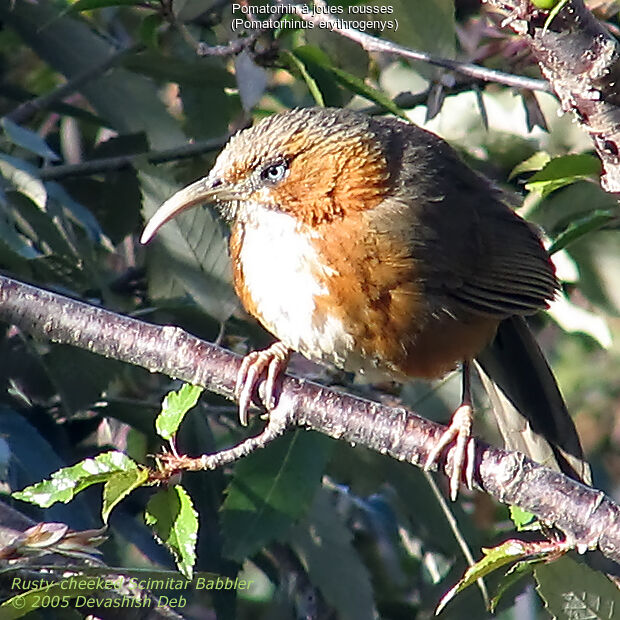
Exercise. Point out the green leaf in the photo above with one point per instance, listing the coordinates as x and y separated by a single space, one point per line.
175 523
119 486
521 518
512 576
360 87
27 139
571 589
325 546
174 408
582 226
149 31
562 171
270 489
65 483
315 63
291 60
536 162
493 559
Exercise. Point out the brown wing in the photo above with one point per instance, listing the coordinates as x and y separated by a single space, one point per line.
472 252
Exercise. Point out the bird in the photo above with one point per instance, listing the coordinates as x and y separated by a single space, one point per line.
368 244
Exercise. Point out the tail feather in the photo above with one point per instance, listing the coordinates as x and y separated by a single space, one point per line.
530 411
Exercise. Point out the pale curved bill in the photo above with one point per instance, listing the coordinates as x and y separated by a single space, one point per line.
203 190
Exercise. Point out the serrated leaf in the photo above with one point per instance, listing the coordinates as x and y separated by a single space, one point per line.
582 226
173 409
27 139
65 483
325 546
562 171
572 589
119 486
270 489
171 514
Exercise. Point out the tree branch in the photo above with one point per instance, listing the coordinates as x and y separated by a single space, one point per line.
581 60
374 44
587 517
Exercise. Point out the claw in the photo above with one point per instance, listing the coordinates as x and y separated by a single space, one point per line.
273 360
458 432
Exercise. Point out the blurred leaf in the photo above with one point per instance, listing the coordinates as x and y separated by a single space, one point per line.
562 171
315 62
251 80
175 524
196 250
24 179
199 72
80 376
119 486
572 318
149 31
427 25
291 60
65 483
535 162
360 87
579 227
90 5
72 47
174 407
571 589
325 546
270 489
27 139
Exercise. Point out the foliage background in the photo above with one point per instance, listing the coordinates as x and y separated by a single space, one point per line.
322 527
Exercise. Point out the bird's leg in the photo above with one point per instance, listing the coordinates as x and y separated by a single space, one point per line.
273 361
460 432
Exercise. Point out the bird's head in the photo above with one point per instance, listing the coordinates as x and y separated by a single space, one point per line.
315 164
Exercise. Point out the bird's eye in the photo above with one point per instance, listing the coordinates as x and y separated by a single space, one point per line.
274 172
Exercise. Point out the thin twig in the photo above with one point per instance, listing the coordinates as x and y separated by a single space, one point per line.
373 44
120 162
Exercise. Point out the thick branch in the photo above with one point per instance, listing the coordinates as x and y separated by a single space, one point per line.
581 60
586 516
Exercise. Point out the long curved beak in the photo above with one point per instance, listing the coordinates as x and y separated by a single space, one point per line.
204 190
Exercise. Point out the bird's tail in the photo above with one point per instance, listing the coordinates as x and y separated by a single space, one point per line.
530 411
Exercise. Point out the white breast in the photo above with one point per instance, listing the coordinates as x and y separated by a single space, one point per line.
277 260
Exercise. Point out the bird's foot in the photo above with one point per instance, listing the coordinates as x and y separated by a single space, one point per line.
459 431
273 362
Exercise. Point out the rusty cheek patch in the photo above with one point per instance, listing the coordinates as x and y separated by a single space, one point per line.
329 180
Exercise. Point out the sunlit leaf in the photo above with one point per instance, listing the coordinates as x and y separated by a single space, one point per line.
171 514
65 483
174 408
